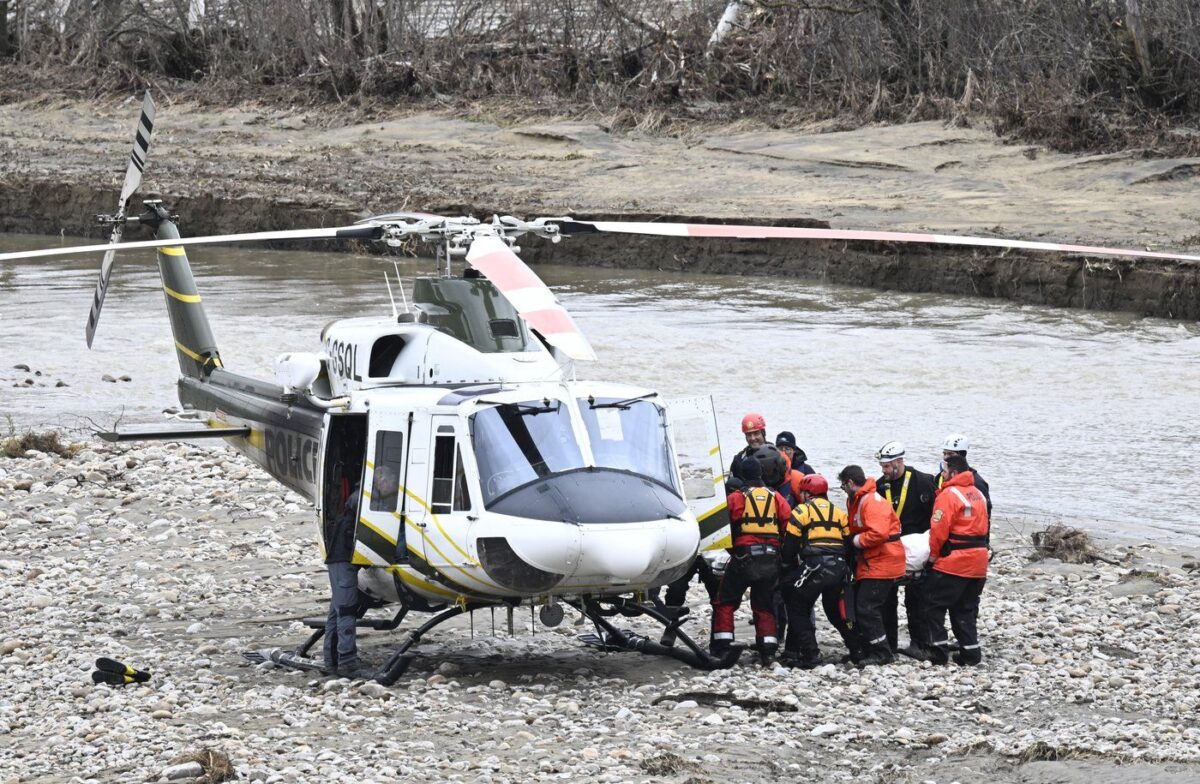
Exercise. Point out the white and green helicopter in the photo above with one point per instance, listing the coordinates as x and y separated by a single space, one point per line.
518 482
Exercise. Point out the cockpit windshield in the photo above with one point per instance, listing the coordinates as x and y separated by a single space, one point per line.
519 443
516 443
629 435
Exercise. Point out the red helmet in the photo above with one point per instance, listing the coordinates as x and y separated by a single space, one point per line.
752 422
814 484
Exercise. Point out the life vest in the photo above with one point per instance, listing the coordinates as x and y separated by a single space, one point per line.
760 517
820 525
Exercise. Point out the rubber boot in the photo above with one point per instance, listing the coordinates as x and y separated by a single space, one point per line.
939 655
971 658
766 652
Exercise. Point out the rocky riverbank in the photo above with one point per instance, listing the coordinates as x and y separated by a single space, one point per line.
175 558
250 168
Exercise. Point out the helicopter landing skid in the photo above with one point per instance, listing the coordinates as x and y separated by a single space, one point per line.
610 638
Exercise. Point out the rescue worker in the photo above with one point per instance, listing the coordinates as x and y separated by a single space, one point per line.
814 564
757 516
754 428
340 650
875 534
785 442
775 471
911 494
958 550
957 444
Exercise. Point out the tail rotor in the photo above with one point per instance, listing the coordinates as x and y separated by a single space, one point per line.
133 178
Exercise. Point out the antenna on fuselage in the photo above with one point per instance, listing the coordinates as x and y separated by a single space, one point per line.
400 284
387 280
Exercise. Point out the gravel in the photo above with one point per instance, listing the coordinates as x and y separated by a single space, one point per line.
159 557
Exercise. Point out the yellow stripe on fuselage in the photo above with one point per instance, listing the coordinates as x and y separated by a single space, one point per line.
172 251
193 298
389 539
415 581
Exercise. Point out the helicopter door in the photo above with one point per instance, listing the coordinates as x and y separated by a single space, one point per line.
450 500
698 452
379 533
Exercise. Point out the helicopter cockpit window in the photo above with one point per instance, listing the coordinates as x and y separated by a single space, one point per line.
517 443
385 478
629 435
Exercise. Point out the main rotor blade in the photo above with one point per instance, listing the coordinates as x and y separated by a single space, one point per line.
789 232
137 158
529 295
337 232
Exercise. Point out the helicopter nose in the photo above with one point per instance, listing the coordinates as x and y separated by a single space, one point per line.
625 553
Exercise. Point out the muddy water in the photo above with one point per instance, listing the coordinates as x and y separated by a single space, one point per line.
1083 417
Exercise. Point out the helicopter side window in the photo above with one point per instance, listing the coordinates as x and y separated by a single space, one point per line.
385 478
443 475
462 497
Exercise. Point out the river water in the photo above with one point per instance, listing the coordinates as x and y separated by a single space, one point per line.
1079 417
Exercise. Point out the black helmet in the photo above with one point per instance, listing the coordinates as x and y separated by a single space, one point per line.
773 464
750 470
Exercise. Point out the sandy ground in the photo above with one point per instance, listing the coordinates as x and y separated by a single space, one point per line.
175 559
313 168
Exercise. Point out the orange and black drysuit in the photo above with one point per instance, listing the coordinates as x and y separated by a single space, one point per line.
875 532
911 495
757 516
958 549
814 566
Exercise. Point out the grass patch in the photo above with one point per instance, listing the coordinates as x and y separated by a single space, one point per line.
49 441
1069 545
216 765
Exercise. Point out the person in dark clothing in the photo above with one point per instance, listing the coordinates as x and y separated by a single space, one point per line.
341 636
785 442
814 567
957 444
757 516
672 600
911 493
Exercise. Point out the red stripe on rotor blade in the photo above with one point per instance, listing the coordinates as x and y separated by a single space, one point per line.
498 267
551 321
793 232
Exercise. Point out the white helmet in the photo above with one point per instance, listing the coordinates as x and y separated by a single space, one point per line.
892 450
955 442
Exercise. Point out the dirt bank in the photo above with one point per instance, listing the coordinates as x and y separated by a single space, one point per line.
245 169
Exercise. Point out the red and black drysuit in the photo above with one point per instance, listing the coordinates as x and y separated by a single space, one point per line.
958 548
757 516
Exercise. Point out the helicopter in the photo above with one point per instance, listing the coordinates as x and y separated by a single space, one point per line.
518 482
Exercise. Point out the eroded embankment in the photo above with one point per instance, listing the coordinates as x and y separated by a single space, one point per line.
1146 287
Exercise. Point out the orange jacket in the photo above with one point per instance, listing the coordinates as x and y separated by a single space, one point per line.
873 523
958 534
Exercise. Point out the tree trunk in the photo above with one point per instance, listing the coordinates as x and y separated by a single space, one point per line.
728 20
1133 19
3 28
